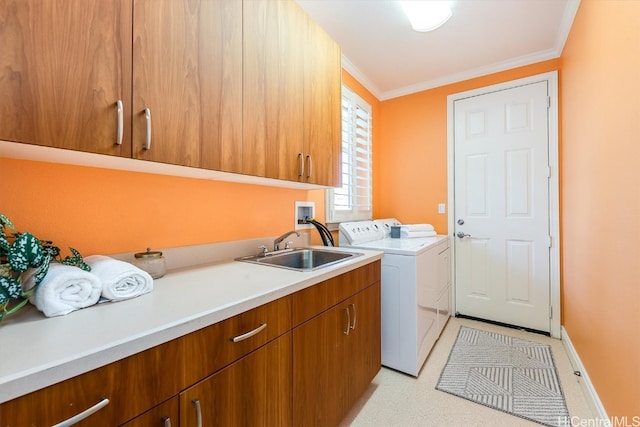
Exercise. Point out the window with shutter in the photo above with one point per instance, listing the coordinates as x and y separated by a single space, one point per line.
352 201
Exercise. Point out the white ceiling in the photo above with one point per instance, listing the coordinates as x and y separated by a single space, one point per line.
381 50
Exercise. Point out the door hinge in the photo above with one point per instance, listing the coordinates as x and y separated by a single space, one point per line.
548 102
548 171
550 312
550 241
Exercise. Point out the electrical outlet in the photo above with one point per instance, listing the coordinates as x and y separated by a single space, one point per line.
441 208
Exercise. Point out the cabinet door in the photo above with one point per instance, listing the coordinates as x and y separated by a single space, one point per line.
320 368
322 108
273 33
187 71
63 67
365 347
254 391
148 378
335 357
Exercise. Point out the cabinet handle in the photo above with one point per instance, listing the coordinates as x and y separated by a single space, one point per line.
196 403
147 116
355 316
301 158
310 161
346 331
166 421
120 109
84 414
249 334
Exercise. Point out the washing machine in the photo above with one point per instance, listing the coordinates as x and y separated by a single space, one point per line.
415 289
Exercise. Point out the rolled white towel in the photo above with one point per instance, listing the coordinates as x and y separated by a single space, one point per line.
64 289
417 227
120 280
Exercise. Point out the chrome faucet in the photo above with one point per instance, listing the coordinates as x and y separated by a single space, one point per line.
276 243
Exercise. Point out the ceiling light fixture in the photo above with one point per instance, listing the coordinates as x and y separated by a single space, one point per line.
427 15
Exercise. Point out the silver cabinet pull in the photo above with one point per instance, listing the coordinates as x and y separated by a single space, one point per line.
147 116
84 414
196 403
346 331
355 317
167 421
301 157
120 131
309 160
250 333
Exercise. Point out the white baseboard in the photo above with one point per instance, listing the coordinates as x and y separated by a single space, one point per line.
590 392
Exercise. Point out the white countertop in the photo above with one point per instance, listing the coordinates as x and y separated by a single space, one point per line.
36 351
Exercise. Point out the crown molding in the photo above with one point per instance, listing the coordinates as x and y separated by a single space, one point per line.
348 66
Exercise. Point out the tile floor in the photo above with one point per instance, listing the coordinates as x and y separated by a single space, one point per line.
396 399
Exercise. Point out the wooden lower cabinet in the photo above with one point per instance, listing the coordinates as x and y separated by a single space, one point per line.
253 391
300 360
335 356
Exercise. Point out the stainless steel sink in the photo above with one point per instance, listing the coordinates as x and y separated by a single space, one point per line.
300 259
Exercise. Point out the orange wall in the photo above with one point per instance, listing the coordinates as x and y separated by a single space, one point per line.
411 161
108 211
600 86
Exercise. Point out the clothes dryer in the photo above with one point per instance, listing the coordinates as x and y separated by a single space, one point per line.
415 289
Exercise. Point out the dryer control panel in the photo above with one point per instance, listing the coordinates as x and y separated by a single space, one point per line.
358 232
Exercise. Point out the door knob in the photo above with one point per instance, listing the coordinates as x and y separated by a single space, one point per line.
460 221
462 235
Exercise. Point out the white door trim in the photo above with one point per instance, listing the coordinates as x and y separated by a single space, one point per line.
554 190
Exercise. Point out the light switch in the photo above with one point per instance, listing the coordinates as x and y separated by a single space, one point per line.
441 208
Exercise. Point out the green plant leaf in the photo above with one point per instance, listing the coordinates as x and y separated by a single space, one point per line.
25 252
4 245
42 270
76 260
49 249
5 221
10 288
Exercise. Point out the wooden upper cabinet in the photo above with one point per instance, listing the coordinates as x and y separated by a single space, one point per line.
249 87
64 64
187 72
273 57
322 108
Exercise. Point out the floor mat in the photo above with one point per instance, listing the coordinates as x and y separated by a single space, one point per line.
505 373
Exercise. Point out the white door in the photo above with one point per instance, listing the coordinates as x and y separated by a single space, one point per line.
501 206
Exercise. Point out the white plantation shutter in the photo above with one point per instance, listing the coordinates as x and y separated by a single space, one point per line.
352 201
